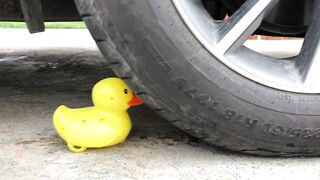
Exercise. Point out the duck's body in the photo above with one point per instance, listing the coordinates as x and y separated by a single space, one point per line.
91 127
105 124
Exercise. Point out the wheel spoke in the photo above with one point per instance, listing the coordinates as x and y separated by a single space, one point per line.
308 61
235 31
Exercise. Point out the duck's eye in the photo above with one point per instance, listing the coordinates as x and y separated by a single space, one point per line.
126 91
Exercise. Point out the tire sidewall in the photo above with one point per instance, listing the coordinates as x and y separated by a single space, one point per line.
218 104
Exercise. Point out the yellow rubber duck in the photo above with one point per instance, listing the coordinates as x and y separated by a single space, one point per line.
105 124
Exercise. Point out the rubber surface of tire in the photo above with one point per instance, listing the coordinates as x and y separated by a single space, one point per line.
149 46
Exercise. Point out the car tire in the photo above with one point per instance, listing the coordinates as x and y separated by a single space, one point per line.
148 45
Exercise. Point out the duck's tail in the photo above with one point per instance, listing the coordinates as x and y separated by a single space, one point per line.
58 115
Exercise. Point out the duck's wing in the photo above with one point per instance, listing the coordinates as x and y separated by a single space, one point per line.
65 115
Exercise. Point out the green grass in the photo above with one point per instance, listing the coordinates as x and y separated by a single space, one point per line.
48 25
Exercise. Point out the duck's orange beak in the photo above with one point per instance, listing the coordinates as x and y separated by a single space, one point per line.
135 101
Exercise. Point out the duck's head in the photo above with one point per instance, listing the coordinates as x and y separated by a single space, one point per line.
112 94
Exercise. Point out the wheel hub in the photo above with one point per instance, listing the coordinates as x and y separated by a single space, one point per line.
224 39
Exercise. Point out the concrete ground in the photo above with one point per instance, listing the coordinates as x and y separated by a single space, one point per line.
41 72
